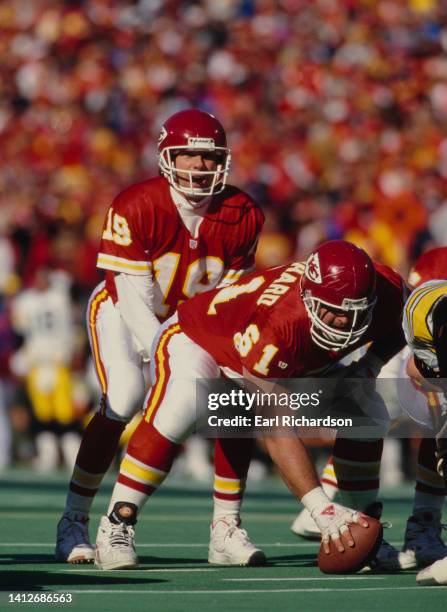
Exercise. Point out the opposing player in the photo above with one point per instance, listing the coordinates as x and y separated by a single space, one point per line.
164 240
422 543
425 326
289 321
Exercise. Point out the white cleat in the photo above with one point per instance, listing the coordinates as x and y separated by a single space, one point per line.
115 546
72 540
423 543
435 575
230 545
305 527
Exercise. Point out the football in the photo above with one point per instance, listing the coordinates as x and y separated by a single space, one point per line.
367 541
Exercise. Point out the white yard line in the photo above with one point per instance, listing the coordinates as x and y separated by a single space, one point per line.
299 579
173 545
110 591
93 569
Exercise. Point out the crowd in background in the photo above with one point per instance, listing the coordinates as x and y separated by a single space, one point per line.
335 111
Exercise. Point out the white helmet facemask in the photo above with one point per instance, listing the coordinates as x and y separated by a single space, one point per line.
217 178
330 338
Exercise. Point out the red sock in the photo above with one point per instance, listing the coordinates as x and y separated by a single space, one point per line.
231 463
98 448
147 462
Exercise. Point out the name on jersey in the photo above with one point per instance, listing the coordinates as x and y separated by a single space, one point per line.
281 285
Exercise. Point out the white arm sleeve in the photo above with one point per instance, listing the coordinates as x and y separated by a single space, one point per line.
135 301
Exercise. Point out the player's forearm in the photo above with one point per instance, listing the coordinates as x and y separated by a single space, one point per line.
294 463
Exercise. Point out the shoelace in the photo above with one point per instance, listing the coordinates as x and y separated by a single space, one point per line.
121 535
240 534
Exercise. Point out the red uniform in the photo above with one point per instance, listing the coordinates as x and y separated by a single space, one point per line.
144 232
261 323
430 265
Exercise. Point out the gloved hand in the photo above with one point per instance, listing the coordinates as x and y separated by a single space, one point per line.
332 519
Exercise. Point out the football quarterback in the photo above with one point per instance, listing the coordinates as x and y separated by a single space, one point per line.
164 240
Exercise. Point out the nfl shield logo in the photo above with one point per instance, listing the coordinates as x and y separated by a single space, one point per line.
192 244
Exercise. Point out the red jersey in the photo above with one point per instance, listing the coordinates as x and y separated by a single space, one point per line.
261 323
144 233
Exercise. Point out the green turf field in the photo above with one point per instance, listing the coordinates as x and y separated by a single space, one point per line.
172 539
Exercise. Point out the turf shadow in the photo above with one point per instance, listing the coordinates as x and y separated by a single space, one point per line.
150 560
26 559
306 560
37 580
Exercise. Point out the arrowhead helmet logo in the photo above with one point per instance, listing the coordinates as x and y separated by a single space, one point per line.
163 134
313 270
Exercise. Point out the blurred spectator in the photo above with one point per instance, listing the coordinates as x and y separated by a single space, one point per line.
42 316
6 347
335 110
334 97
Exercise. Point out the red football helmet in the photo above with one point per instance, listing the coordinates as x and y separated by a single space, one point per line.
340 277
194 130
430 265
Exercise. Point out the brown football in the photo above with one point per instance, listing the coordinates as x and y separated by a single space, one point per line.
366 544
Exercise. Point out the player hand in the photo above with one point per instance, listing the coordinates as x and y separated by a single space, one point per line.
418 378
333 521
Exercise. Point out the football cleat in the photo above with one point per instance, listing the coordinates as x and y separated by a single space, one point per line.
115 545
230 545
305 527
72 540
388 558
434 575
423 544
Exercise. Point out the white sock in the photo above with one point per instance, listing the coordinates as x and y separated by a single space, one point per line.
121 493
226 508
